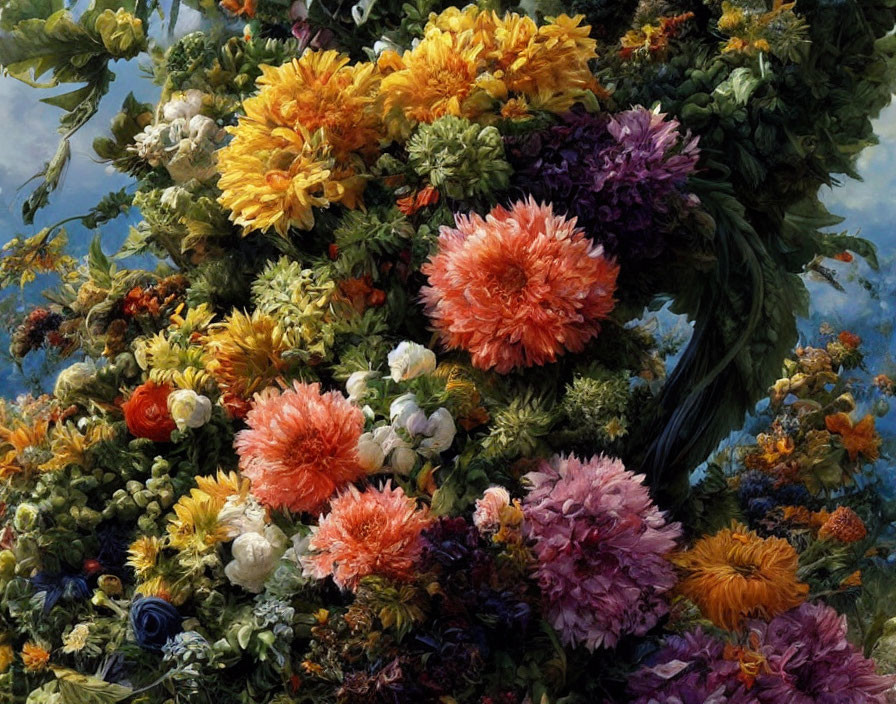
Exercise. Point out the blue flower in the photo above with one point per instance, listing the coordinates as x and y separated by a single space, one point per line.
71 587
154 621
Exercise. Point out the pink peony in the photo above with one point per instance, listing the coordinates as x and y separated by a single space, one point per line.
600 544
300 446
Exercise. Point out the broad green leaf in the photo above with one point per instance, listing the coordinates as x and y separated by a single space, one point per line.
99 265
76 688
15 11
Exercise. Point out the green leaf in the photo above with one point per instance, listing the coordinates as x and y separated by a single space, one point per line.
834 243
15 11
98 264
76 688
51 174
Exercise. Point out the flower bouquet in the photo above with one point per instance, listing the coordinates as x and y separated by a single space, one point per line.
386 419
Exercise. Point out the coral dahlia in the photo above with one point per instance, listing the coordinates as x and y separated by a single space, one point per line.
376 531
601 544
517 288
300 446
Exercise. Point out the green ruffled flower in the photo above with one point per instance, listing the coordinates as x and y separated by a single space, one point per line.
121 32
595 405
460 158
300 301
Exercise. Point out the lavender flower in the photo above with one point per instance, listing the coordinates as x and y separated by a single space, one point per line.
601 545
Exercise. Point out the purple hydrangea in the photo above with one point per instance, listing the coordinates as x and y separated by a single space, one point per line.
622 175
810 661
600 544
689 669
802 657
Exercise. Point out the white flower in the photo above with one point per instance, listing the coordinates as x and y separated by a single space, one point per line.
240 515
356 384
73 379
410 360
186 105
254 558
402 408
370 453
402 460
75 640
189 409
441 431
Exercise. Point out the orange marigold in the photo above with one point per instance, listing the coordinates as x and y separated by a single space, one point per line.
300 446
849 339
35 657
857 438
370 532
843 525
519 287
735 575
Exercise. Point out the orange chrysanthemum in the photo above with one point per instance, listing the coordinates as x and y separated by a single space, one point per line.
843 525
300 446
304 142
735 575
35 657
517 288
471 62
849 339
858 438
240 7
370 532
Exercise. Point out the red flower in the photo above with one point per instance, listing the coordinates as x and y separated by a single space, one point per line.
850 339
146 412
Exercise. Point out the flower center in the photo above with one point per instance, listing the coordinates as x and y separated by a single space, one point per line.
512 279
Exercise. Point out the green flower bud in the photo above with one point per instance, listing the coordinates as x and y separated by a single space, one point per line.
26 517
121 32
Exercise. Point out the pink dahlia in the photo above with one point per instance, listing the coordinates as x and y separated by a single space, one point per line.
601 547
370 532
519 287
300 446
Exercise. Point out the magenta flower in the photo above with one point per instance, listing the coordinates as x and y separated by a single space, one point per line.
601 544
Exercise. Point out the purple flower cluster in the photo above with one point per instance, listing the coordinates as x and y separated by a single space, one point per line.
600 544
622 175
801 657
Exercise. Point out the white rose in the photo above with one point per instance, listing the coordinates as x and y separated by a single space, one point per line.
410 360
254 558
356 384
403 408
186 106
441 432
370 453
242 515
487 516
189 409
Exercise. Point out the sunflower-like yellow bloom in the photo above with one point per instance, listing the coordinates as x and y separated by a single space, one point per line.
196 526
304 142
470 63
70 446
247 354
735 575
224 485
143 554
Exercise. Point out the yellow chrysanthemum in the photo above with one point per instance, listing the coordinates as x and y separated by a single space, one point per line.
272 178
224 485
247 353
735 575
163 589
304 142
196 527
438 77
7 655
70 446
143 554
469 61
17 442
